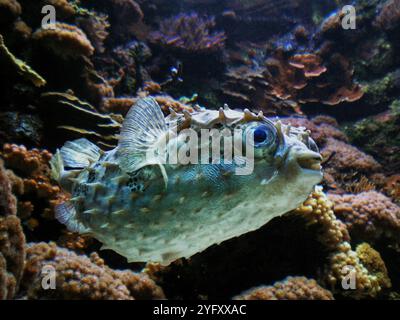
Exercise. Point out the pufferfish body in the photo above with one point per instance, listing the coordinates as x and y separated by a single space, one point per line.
151 210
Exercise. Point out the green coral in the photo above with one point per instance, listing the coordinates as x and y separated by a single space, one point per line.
20 66
379 91
380 137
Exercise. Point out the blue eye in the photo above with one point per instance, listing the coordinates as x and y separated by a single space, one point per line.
263 136
260 135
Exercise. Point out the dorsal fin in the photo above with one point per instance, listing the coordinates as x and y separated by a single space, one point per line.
80 153
142 131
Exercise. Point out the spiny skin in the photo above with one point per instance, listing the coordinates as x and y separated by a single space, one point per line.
139 217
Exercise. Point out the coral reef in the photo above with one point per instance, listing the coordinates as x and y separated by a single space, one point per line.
287 58
37 195
64 40
292 288
368 215
342 259
20 67
189 32
379 136
298 78
389 16
81 277
12 255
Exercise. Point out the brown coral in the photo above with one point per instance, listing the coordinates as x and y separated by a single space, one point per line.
292 288
293 79
64 40
189 33
389 16
8 202
368 215
346 163
321 127
31 180
81 277
9 10
12 255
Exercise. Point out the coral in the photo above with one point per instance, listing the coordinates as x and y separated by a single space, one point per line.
345 158
190 33
124 17
368 215
19 66
318 209
12 255
372 260
74 241
9 10
389 16
8 202
292 288
95 27
81 277
379 136
64 40
290 80
32 183
64 8
392 187
321 128
247 87
79 119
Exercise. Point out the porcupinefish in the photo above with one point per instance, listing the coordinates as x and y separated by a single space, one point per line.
149 210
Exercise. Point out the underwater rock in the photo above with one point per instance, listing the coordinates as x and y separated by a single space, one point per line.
292 288
21 128
82 277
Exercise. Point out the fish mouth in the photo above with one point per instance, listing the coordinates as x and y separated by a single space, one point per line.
310 161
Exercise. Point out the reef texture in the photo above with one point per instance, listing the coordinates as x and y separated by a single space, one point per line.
290 59
368 215
292 288
82 277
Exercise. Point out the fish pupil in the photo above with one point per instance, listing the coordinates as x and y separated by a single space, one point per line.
260 135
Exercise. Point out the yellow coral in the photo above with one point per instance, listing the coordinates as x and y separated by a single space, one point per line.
21 67
317 209
372 260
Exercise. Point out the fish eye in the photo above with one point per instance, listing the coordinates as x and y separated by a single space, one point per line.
263 135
